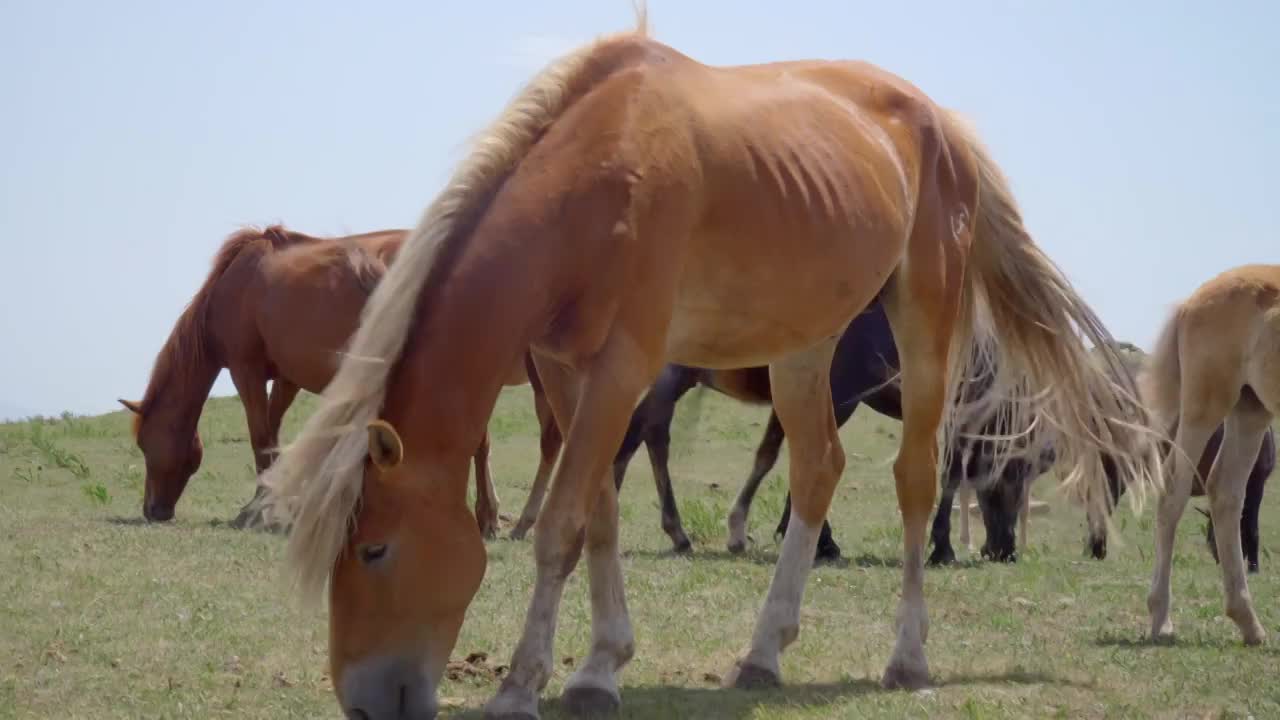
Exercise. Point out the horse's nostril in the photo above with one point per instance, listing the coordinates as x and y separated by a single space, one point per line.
357 714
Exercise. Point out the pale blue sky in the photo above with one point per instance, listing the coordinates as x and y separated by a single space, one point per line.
1140 138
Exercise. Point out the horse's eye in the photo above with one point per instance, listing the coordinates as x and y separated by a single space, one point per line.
370 554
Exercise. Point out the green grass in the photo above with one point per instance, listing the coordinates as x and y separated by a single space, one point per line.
102 616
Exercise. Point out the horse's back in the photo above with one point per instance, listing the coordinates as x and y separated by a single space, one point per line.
810 179
307 301
1228 337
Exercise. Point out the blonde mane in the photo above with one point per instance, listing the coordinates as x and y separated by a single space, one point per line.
315 484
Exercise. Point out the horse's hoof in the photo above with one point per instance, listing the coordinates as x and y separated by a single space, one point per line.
519 531
737 547
1000 556
590 702
899 676
1255 636
246 520
512 703
255 520
827 554
747 676
683 546
941 555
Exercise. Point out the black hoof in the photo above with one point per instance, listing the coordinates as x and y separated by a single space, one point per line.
942 555
826 553
1002 555
1098 549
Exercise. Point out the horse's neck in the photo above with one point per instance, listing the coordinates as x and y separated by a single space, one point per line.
181 391
458 356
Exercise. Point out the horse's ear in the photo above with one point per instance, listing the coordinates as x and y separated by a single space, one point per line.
385 449
131 406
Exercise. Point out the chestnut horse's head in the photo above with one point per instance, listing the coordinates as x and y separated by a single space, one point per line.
399 589
171 459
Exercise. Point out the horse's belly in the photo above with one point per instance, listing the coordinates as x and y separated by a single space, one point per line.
746 301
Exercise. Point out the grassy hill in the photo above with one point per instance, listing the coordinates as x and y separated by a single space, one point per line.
102 616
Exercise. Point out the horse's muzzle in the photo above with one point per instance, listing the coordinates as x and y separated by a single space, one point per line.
386 689
157 512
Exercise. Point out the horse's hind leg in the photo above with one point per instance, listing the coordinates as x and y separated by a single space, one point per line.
802 399
651 424
1249 518
965 493
922 301
1199 420
486 494
766 458
550 440
1226 485
251 385
943 553
1024 512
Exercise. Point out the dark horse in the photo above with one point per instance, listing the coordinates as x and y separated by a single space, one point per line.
1000 516
862 371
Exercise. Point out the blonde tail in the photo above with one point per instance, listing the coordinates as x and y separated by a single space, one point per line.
1160 381
1025 330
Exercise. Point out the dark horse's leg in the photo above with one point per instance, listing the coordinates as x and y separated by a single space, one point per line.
940 535
766 458
651 424
1253 504
1249 539
828 550
1097 540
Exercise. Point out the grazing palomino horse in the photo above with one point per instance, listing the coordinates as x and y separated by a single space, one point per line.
1217 360
278 305
632 207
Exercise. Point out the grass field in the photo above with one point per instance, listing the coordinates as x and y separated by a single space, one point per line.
102 616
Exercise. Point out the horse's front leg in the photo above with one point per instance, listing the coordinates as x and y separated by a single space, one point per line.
581 510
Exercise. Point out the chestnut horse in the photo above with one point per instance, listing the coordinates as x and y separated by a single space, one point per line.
277 306
630 207
1217 360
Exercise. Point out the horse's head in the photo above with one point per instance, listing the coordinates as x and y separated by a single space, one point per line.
171 459
1001 500
400 587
